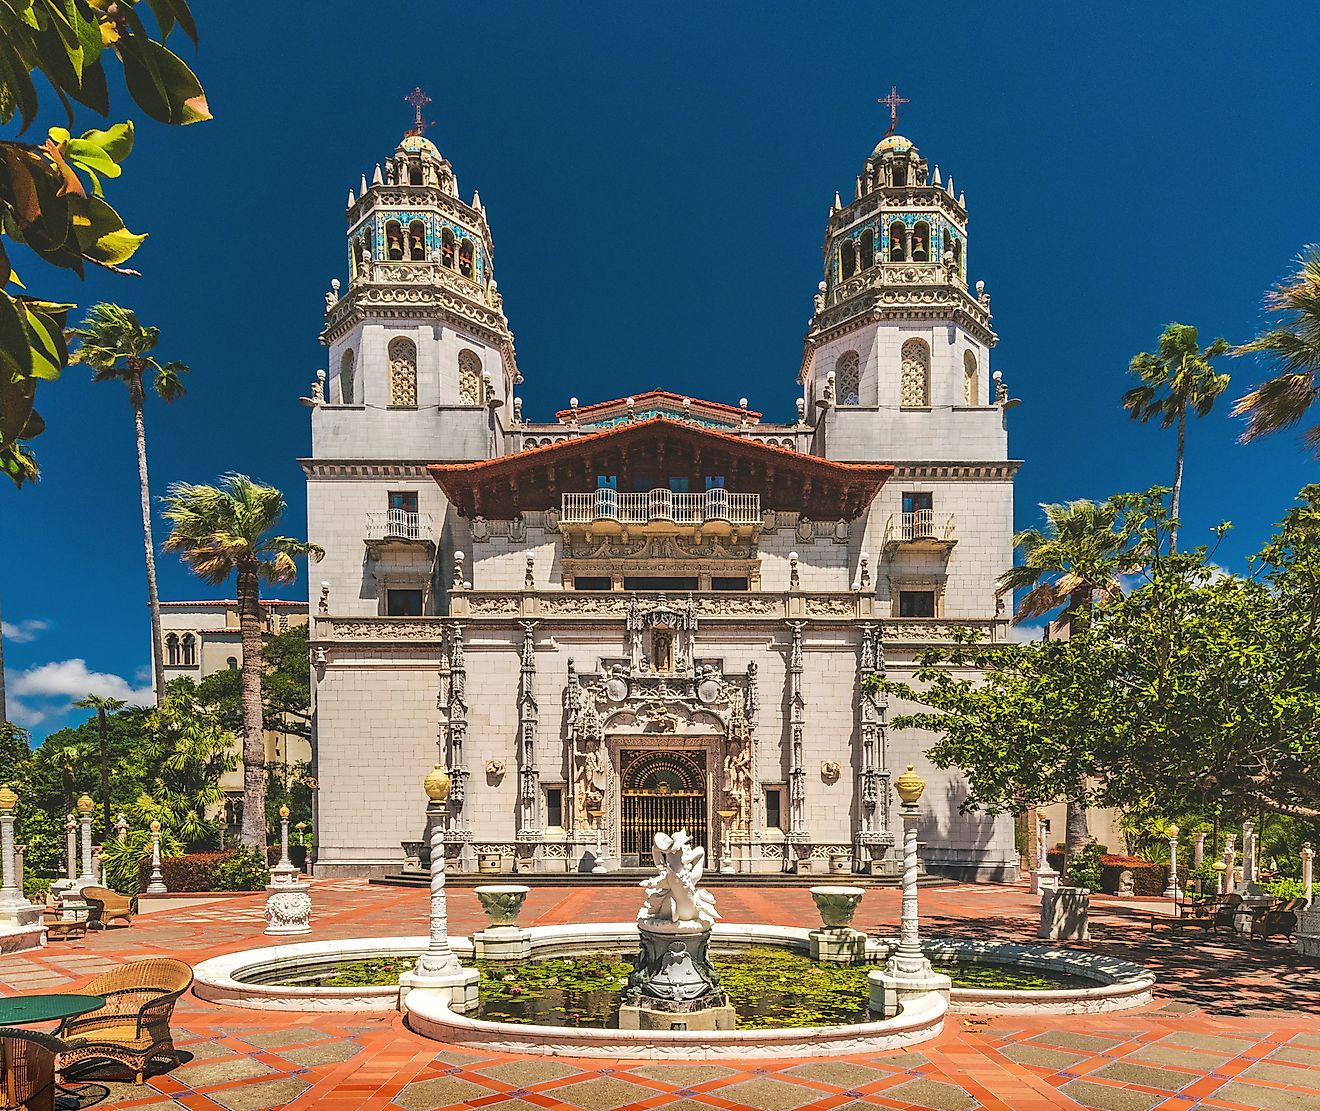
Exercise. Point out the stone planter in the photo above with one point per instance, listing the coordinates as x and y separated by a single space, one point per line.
840 864
1065 914
836 905
502 903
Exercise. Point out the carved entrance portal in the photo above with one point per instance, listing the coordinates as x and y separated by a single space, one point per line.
661 792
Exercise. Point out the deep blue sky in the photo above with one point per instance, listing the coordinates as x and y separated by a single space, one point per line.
657 178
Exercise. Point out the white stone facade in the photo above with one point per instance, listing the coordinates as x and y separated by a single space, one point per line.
566 659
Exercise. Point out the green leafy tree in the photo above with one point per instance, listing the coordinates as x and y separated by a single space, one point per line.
102 706
51 195
119 348
227 530
1294 346
1076 560
286 687
1176 378
15 753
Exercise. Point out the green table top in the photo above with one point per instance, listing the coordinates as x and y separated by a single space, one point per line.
20 1010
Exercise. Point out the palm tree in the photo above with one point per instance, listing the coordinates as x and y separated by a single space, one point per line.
1075 562
102 706
1294 344
118 348
223 530
1176 378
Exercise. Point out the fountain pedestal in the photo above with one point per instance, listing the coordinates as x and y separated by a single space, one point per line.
502 939
674 986
837 942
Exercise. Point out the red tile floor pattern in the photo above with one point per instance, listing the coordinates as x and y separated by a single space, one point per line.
1234 1026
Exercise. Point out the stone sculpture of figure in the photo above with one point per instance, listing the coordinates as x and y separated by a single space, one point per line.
672 894
1126 886
738 778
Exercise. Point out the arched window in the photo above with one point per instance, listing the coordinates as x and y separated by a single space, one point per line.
957 254
414 173
417 241
971 379
469 378
232 663
847 260
393 240
403 372
847 382
898 241
947 242
867 251
465 258
447 248
346 377
900 173
921 242
189 646
914 375
172 650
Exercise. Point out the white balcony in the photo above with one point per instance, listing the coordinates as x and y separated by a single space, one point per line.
921 530
608 509
400 524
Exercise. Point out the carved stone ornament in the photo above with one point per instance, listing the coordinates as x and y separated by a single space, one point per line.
495 768
288 909
830 771
672 894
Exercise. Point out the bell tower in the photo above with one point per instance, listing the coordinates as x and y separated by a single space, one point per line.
421 358
894 328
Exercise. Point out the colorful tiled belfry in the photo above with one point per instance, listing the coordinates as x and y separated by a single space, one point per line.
655 612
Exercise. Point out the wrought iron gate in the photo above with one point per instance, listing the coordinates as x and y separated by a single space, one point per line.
663 792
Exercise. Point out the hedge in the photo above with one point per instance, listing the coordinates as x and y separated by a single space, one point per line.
1148 880
190 872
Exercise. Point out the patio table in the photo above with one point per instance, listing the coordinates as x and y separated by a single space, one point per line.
23 1010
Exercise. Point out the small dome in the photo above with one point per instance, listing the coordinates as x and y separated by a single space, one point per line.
419 142
893 142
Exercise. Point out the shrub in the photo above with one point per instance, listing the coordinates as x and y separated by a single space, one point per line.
245 870
1148 880
1084 869
1284 887
35 888
188 872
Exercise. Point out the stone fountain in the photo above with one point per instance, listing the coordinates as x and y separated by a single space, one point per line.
674 986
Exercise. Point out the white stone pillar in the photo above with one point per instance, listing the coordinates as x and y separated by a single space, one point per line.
908 973
71 840
1198 849
1308 871
85 808
1173 891
1248 854
438 969
157 884
15 910
1044 878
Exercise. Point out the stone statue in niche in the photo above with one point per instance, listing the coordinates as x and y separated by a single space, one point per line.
662 650
738 780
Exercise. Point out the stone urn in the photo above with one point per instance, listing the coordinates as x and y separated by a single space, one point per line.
837 905
502 903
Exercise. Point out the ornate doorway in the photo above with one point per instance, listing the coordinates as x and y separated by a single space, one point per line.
662 791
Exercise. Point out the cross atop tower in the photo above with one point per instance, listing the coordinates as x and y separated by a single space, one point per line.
418 100
892 101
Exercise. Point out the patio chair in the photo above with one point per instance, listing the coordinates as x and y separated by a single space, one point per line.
133 1027
1279 918
1198 913
27 1070
1226 913
108 905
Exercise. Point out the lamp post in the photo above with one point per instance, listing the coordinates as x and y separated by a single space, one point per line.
726 828
10 896
908 972
157 884
85 808
438 968
1308 871
1173 891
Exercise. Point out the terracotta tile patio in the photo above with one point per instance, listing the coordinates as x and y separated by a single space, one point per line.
1235 1026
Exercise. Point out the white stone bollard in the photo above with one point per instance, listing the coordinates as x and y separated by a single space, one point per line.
1044 878
1308 871
157 884
1173 891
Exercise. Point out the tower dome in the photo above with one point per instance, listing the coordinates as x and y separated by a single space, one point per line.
899 144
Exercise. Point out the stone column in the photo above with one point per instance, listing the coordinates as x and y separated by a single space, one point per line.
1248 854
85 808
71 839
1044 878
1173 891
1198 849
908 972
285 864
9 893
1230 860
455 727
157 884
797 772
438 968
529 831
1308 871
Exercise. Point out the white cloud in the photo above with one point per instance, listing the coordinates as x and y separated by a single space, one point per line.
1023 634
21 632
52 688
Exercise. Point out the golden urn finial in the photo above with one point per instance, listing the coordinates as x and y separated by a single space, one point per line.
1173 832
8 798
437 784
909 786
155 826
85 804
284 811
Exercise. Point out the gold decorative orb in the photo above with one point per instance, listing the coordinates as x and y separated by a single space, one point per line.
284 811
85 804
1220 867
909 786
437 784
1173 833
8 798
155 826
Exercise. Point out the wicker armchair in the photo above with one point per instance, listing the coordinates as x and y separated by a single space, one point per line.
108 905
133 1027
27 1070
1226 912
1278 918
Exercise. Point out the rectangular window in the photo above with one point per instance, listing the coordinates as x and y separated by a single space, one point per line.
554 807
406 500
403 603
607 482
714 482
914 503
774 808
659 582
726 582
678 484
642 483
916 603
592 582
